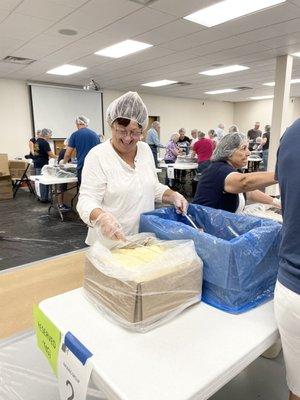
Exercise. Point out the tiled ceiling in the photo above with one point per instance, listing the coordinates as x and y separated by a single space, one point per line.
29 28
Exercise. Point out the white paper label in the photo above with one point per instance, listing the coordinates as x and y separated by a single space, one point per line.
74 369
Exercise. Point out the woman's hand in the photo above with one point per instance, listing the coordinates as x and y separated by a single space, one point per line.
109 226
180 203
276 203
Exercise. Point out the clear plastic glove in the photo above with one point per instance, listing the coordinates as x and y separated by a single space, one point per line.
180 203
276 203
109 226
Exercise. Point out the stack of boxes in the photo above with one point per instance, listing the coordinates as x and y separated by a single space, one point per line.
6 192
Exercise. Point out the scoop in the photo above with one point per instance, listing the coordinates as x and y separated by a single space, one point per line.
191 221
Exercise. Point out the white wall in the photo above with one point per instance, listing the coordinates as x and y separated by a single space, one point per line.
15 118
174 113
246 113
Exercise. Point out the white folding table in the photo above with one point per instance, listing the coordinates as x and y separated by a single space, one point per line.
188 358
54 182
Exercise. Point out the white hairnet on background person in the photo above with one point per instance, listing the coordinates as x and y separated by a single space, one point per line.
82 120
129 106
227 145
45 132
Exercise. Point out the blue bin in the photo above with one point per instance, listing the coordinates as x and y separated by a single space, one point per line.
240 253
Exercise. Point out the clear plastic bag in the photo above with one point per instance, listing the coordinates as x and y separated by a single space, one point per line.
144 282
239 253
57 171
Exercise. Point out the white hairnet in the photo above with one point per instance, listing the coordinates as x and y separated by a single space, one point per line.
129 106
82 120
45 132
227 145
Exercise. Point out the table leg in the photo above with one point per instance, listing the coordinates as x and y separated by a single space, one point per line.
54 202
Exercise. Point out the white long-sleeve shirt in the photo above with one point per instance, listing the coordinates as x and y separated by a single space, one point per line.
109 183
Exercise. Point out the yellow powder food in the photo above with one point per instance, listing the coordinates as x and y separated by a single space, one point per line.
132 259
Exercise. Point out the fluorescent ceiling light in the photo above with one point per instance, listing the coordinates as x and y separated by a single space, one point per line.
163 82
123 49
261 97
66 69
296 54
221 91
292 81
224 70
227 10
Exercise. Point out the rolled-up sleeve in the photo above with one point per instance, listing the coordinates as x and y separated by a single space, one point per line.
93 186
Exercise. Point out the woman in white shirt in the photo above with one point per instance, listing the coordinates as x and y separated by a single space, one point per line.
119 179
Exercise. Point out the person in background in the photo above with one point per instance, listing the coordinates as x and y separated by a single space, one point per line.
265 145
119 179
213 137
194 134
64 186
82 140
220 132
203 149
172 152
42 152
153 140
183 141
287 290
32 142
233 129
253 134
222 186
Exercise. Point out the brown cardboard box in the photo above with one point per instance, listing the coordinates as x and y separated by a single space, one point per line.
6 192
4 170
17 168
140 305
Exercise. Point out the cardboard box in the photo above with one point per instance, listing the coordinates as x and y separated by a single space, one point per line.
6 192
143 304
4 170
17 168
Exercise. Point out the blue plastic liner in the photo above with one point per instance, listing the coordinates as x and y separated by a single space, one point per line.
240 253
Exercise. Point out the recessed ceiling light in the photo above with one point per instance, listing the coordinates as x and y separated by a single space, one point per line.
163 82
261 97
292 81
221 91
296 54
224 70
123 49
67 32
227 10
66 69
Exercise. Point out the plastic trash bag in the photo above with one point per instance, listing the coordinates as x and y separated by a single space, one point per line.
240 253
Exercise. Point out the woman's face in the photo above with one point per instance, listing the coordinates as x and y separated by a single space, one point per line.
239 158
124 139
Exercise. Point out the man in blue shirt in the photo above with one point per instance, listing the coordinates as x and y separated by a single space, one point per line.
82 140
153 140
287 292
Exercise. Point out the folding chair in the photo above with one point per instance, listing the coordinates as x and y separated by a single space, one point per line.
18 171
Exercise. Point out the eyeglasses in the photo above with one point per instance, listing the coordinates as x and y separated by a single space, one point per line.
124 132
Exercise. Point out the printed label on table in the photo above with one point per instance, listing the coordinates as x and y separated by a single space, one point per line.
48 337
74 369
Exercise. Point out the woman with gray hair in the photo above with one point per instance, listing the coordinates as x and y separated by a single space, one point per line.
119 179
222 186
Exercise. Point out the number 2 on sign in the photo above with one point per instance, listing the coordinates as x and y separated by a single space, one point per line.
68 383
